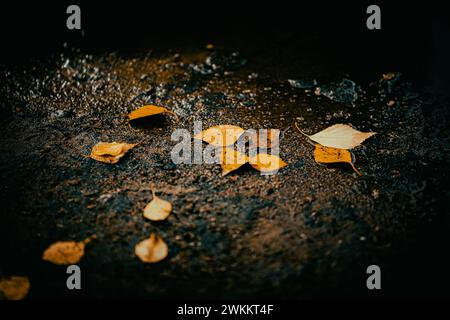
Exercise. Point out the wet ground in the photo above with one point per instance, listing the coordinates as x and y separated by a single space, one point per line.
308 231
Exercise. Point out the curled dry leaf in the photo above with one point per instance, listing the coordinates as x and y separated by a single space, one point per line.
157 209
324 154
149 110
110 152
340 136
14 287
65 252
221 136
151 250
266 162
232 160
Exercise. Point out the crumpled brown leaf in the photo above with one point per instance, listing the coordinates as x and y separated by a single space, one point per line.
65 252
151 250
14 287
110 152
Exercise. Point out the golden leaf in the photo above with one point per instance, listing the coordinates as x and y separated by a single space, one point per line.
65 252
267 162
151 250
266 141
324 154
221 136
232 160
110 152
14 287
157 209
340 136
149 110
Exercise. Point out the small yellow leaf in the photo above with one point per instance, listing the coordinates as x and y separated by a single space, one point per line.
221 136
157 209
324 154
110 152
65 252
267 162
232 160
151 250
148 110
14 287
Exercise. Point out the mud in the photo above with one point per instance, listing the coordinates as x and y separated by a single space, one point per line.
308 231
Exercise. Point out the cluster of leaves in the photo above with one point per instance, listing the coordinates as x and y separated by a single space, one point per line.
331 146
225 136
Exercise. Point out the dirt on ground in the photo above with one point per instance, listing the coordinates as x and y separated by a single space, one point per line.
309 230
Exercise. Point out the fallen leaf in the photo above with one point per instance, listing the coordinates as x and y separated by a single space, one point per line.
110 152
232 160
65 252
324 154
151 250
266 162
340 136
221 136
149 110
157 209
14 287
266 141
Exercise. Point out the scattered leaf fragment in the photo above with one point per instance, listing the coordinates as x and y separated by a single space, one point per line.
151 250
232 160
267 162
340 136
149 110
110 152
14 287
324 154
157 209
221 136
65 252
391 103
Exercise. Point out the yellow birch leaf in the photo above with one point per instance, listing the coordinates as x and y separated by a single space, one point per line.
221 136
15 287
232 160
65 252
267 162
267 141
148 110
324 154
157 209
151 250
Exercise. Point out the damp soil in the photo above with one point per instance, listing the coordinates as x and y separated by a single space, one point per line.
308 231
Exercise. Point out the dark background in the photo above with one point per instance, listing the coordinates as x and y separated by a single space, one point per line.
413 35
